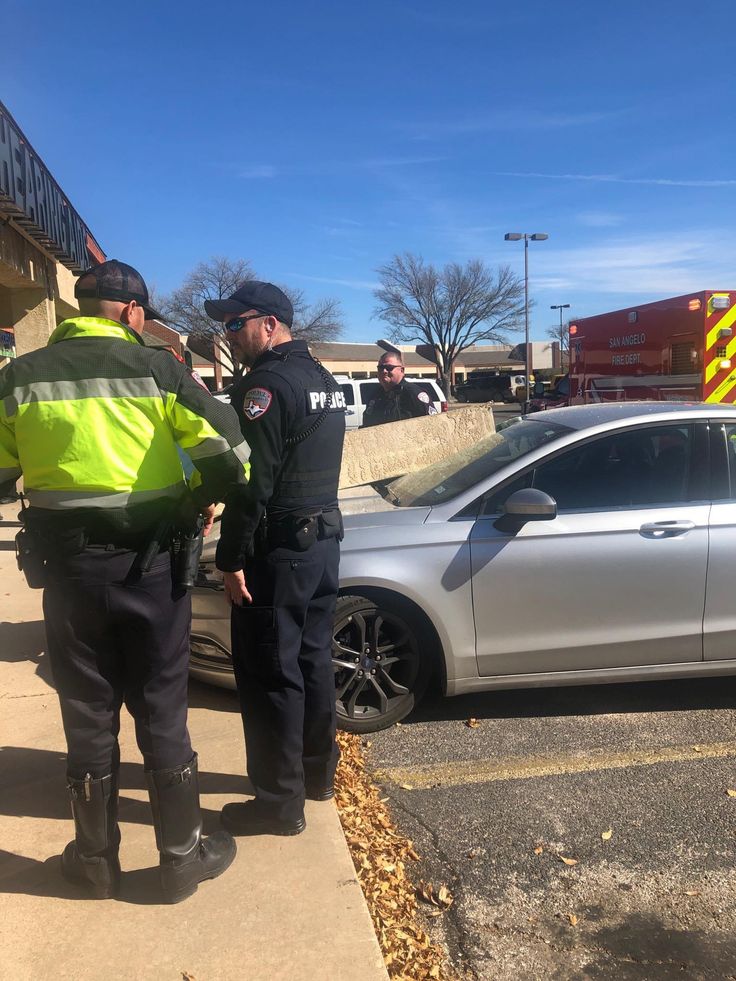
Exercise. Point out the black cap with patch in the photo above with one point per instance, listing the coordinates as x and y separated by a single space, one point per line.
115 280
253 295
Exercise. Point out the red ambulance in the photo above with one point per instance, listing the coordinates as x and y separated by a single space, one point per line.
681 349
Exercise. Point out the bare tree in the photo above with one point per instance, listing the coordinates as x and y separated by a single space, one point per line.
561 334
450 308
218 278
320 321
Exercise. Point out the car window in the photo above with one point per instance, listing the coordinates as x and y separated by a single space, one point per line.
634 468
449 477
347 391
368 391
730 431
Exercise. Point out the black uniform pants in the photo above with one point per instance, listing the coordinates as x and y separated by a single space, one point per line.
282 655
113 641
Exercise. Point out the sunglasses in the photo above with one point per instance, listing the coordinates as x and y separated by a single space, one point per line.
388 367
237 323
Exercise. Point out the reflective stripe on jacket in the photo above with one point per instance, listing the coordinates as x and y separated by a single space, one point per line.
94 420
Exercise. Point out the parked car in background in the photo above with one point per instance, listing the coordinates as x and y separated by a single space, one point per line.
359 392
589 544
488 387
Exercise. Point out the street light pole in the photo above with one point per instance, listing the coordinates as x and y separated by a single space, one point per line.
561 307
516 237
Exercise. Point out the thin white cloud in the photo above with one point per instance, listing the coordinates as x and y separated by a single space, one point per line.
258 172
614 179
352 284
651 266
508 121
599 219
379 163
336 167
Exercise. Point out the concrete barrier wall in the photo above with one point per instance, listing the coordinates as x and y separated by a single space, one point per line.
396 448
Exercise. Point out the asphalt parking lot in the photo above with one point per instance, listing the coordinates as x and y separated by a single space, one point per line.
583 832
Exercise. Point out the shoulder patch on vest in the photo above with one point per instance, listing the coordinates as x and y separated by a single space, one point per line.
256 403
423 397
200 381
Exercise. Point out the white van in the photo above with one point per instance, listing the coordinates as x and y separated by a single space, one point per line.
359 392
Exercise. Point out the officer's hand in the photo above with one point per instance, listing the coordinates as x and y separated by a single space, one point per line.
208 514
235 588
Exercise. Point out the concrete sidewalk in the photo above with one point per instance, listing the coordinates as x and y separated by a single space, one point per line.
288 907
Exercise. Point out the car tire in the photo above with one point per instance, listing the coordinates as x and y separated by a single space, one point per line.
382 654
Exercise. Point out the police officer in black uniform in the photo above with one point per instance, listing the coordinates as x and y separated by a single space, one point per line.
279 550
398 398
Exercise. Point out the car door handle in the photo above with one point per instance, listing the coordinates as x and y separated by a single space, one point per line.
666 529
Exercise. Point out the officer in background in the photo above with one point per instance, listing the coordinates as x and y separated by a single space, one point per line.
279 550
93 423
398 398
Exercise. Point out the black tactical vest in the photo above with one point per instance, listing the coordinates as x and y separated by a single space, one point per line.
311 460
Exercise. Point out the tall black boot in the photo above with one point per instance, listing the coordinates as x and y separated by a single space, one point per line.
91 859
186 857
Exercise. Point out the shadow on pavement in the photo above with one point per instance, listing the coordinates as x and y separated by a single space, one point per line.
26 642
31 877
203 696
655 696
645 949
34 786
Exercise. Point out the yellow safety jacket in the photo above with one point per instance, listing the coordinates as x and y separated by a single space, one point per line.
93 421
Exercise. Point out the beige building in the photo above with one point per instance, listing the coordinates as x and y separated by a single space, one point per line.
359 360
44 245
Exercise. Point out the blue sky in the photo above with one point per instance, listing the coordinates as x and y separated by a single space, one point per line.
318 139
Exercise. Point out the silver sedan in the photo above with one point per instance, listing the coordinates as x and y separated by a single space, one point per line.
579 545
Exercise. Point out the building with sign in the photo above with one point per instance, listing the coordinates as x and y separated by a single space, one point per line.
44 246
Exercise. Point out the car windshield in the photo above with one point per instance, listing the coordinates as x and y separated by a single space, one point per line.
447 478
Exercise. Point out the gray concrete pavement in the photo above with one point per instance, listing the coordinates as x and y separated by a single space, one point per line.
556 769
288 908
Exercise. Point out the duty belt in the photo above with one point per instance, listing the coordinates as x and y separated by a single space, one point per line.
299 531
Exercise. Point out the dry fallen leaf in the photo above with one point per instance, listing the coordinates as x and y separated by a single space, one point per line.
538 850
445 897
437 897
406 786
472 723
568 861
697 749
731 793
692 892
186 976
606 835
381 870
573 919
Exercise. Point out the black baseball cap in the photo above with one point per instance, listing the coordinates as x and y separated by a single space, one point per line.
115 280
253 295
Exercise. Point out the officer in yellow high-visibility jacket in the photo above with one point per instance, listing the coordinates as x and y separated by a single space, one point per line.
93 423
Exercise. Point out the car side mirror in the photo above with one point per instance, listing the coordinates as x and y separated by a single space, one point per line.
530 504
